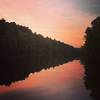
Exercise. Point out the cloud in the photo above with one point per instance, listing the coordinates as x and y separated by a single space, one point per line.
91 6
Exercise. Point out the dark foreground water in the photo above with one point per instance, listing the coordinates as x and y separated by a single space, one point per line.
64 82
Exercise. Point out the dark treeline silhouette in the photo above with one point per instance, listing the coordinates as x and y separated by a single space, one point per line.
22 52
91 49
91 60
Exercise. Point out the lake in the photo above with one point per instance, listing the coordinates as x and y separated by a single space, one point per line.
64 82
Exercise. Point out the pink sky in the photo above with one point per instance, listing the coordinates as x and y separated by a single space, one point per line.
59 19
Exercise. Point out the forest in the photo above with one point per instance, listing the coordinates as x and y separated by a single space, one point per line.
23 52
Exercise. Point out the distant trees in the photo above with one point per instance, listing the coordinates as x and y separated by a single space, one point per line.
22 51
19 41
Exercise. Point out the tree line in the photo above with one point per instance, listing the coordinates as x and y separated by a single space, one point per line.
23 52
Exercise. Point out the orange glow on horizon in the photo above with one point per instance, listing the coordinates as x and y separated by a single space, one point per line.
60 20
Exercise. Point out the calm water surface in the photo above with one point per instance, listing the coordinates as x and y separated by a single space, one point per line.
64 82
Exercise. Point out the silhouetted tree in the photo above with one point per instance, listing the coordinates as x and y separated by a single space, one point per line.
92 43
91 60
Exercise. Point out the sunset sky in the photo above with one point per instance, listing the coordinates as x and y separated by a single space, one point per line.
64 20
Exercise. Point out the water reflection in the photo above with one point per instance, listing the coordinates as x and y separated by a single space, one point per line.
52 82
15 73
92 79
60 83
